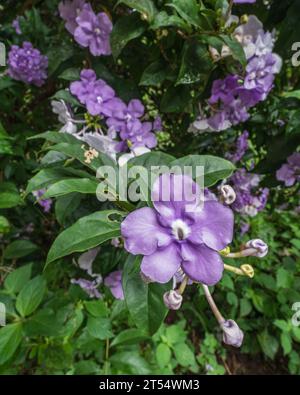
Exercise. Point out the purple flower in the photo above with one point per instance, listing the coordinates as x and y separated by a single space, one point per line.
232 334
224 90
90 287
27 64
16 25
244 228
241 148
244 1
114 282
249 198
157 124
44 203
69 10
93 31
289 173
95 94
178 233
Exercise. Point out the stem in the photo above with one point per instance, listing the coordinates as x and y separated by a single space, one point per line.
183 285
212 304
234 269
106 357
242 254
229 9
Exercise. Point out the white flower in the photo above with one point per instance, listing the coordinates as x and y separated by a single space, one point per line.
101 143
138 151
64 116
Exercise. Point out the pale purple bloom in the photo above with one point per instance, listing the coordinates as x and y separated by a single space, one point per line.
178 233
94 93
259 246
289 173
93 31
244 1
244 228
90 287
172 300
27 64
16 26
44 203
114 282
250 199
240 149
69 10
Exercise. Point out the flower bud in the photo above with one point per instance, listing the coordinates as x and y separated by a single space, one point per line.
228 195
232 334
172 300
247 270
260 246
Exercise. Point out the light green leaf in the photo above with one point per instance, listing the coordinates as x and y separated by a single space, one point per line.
184 355
99 327
16 280
129 336
31 296
10 338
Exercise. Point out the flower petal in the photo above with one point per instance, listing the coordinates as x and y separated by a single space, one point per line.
162 265
201 263
213 226
142 233
174 194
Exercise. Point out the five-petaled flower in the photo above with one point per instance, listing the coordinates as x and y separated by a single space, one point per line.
179 232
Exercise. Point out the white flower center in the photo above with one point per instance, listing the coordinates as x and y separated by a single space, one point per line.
99 99
180 229
97 30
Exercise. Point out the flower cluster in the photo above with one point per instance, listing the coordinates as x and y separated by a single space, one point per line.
289 173
124 121
44 203
27 64
240 148
250 199
90 30
234 95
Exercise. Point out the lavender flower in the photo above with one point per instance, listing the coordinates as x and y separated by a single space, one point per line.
249 198
16 25
241 148
289 173
232 334
244 1
114 282
177 233
44 203
27 64
95 94
157 124
93 31
172 300
90 287
69 10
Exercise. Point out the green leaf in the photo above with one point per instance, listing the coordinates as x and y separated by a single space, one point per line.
176 99
125 29
43 323
19 248
236 49
128 337
99 327
65 206
175 334
146 7
245 307
286 343
196 64
31 296
9 195
65 187
71 74
188 10
154 74
97 308
163 19
10 338
215 169
163 355
283 278
268 343
130 362
184 355
293 94
283 325
144 301
16 280
88 232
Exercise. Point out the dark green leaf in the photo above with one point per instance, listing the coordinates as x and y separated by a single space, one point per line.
31 296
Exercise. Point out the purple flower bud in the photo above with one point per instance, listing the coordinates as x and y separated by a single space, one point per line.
172 300
228 195
260 247
232 334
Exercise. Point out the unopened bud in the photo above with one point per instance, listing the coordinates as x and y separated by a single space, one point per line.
247 270
228 195
173 300
260 247
232 334
244 19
